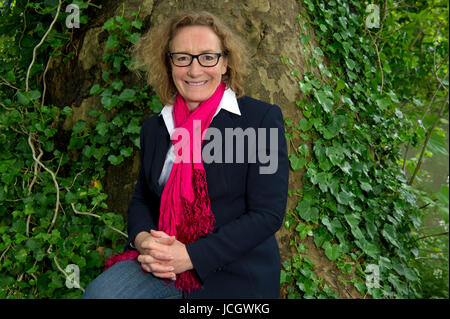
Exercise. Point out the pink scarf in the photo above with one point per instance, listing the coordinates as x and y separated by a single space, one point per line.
185 210
185 206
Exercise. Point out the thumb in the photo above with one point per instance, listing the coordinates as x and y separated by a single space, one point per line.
166 240
158 233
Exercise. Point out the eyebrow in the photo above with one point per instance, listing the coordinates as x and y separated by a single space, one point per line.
201 52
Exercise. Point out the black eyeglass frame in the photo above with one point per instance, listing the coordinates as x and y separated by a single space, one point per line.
195 56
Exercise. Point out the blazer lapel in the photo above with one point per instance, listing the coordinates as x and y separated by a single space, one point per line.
162 146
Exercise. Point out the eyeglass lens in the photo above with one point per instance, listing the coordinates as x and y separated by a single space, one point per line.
185 59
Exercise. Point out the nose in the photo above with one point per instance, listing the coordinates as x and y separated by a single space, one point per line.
195 69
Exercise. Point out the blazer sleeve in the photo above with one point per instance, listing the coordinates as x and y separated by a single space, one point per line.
266 204
140 212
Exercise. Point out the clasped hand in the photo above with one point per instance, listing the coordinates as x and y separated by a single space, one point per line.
162 255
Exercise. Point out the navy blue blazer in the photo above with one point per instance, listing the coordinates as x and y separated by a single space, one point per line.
240 258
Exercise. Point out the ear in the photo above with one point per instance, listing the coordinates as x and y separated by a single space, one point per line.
224 65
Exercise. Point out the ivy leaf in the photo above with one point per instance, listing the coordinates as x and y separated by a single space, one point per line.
126 152
155 104
383 103
112 41
369 248
303 149
10 77
118 62
304 38
324 101
344 197
390 234
365 186
333 185
137 24
95 89
321 235
333 226
350 64
346 168
410 274
322 180
352 219
305 87
333 128
128 95
117 84
303 230
347 101
306 212
133 38
102 128
340 85
133 127
325 71
115 160
332 251
110 24
296 162
357 232
304 125
98 153
79 127
400 286
289 221
318 51
107 102
23 99
67 111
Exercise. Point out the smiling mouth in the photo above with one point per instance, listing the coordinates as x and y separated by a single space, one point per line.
196 83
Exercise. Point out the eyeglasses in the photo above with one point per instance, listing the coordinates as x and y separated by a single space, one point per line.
205 59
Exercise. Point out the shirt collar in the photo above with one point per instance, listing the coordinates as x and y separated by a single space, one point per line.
228 103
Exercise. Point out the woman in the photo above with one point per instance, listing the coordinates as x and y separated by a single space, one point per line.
203 216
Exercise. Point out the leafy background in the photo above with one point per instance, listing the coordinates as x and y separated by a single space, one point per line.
372 118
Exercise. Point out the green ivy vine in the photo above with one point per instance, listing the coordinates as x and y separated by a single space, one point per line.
53 210
355 203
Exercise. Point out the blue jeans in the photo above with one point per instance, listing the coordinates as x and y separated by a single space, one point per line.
125 280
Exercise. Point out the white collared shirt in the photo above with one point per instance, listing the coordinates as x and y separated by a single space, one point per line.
228 103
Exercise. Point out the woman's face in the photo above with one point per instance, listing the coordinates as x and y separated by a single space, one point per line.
196 83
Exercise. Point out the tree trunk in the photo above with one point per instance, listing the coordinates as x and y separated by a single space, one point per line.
271 30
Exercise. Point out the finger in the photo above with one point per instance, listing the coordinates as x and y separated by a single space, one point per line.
146 267
165 275
166 241
155 246
148 244
158 233
149 259
145 259
159 268
160 256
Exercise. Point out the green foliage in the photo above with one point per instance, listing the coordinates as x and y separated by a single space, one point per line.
53 209
360 109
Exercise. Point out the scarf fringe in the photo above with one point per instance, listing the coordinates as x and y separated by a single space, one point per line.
126 255
197 221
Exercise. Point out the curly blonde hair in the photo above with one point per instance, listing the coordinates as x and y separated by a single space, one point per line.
151 53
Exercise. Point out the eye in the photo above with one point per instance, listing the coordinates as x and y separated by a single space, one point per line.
209 57
181 58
